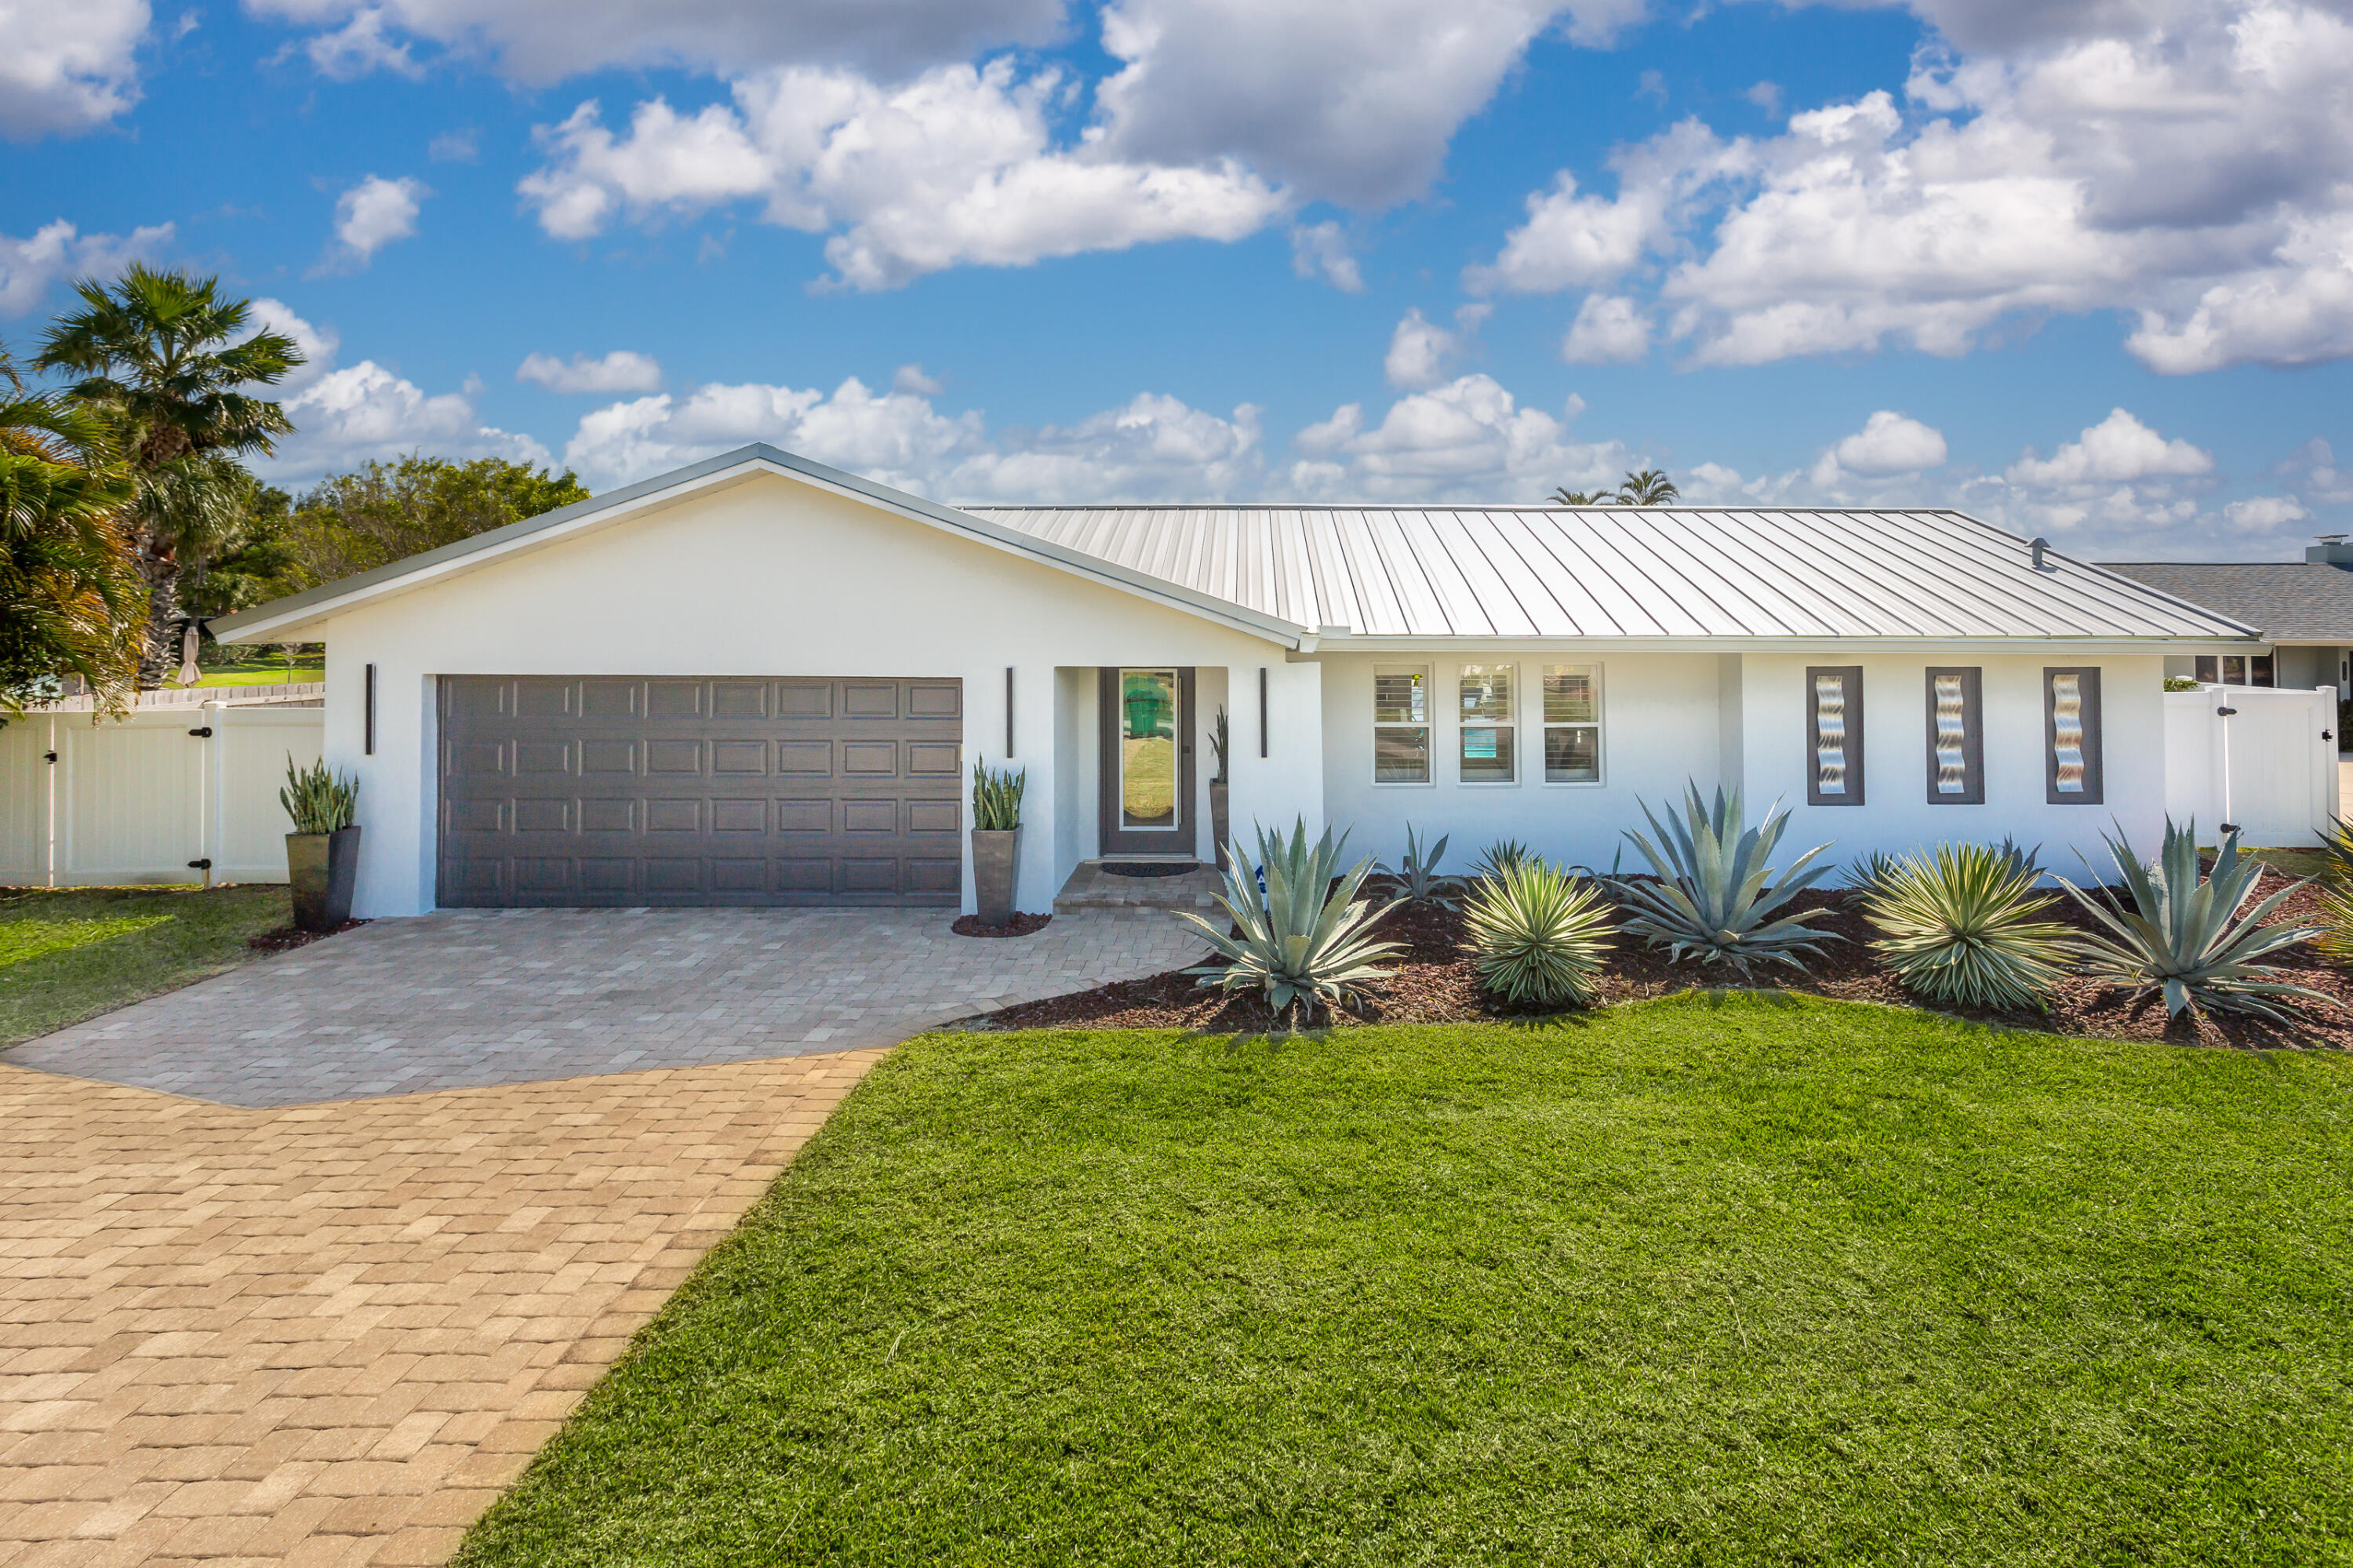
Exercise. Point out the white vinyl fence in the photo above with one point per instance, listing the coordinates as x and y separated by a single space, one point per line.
2268 764
151 797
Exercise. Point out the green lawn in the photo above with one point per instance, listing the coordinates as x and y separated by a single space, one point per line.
1720 1280
68 953
264 676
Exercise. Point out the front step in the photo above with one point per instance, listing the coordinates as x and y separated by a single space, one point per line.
1091 887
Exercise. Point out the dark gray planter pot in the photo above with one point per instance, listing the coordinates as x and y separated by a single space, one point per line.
320 868
996 863
1220 822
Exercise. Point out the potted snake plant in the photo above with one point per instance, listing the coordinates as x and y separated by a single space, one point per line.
1220 820
323 853
996 839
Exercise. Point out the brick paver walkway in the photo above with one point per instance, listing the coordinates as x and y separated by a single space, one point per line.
478 997
329 1335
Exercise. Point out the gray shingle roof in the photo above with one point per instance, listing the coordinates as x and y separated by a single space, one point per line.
1613 572
2291 601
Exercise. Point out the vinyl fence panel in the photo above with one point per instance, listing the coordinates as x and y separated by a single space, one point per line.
2269 765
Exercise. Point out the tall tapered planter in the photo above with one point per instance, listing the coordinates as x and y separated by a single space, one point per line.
1220 821
996 866
320 869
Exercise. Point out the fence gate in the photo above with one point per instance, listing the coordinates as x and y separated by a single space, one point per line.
2268 764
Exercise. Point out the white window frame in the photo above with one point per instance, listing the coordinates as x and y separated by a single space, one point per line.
1429 727
1509 724
1599 726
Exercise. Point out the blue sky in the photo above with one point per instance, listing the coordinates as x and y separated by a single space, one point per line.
2085 270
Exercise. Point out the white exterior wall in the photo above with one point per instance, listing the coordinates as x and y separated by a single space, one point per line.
1897 816
768 578
1661 724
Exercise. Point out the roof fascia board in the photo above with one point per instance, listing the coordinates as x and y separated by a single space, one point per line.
1979 646
269 622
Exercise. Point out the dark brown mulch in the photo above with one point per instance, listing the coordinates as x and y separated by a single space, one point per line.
1023 925
1436 983
286 938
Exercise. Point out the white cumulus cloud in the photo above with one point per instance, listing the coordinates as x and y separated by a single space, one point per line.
2119 450
1321 251
1467 440
1890 443
68 65
374 213
1610 329
1422 354
622 370
56 252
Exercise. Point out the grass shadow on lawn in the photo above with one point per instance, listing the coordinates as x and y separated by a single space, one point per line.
1720 1278
68 953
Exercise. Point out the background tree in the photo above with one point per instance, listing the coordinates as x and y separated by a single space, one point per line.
163 358
71 595
355 522
1650 487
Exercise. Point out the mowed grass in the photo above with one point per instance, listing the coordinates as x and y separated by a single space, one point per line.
68 953
1710 1280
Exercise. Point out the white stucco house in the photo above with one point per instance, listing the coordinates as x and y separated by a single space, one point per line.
758 680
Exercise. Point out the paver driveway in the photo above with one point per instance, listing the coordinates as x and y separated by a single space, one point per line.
476 997
287 1314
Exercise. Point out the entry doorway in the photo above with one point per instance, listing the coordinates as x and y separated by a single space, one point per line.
1147 763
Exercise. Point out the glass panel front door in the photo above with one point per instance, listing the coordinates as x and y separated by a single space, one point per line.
1148 728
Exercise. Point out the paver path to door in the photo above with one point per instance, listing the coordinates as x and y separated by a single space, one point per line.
284 1315
472 997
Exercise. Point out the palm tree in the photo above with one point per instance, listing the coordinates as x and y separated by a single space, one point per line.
1650 487
71 595
1567 497
162 356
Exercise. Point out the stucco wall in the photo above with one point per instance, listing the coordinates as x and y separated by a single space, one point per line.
1897 816
770 578
1659 726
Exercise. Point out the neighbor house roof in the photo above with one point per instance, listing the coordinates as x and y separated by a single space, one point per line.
1440 572
2290 601
1298 575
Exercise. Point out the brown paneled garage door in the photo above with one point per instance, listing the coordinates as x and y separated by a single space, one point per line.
601 790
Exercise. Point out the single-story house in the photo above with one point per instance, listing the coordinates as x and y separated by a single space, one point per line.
2304 609
759 680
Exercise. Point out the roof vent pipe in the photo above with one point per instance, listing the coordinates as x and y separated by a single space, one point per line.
2038 546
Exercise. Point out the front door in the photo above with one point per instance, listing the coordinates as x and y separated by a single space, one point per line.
1147 761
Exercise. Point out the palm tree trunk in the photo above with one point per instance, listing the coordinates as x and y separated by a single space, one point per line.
159 649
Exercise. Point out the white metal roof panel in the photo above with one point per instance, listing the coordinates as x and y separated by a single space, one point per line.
1518 572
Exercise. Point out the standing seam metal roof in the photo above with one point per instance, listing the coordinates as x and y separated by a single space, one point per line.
1621 572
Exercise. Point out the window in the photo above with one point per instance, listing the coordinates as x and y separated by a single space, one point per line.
2070 737
1486 720
1401 723
1955 738
2235 669
1572 724
1834 735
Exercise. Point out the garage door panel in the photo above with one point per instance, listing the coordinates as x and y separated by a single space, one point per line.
668 790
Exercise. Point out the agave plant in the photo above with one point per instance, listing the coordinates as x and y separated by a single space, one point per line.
1874 872
996 797
1964 926
1540 934
1717 885
1500 857
2023 861
2185 935
1417 873
1305 939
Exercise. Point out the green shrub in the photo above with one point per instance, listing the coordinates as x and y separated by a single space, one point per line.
1304 940
1540 935
1717 886
1417 873
996 797
2184 935
318 802
2180 684
1963 927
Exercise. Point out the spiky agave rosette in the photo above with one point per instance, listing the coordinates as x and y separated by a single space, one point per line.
1963 926
1717 886
1540 935
1304 940
2184 935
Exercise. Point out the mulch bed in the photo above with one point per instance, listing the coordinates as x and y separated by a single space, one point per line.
286 938
1435 983
1023 925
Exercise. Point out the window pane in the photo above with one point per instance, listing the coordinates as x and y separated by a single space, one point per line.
2210 669
1952 735
1400 696
2067 731
1829 731
1401 757
1572 756
2258 673
1487 693
1568 696
1147 786
1487 753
